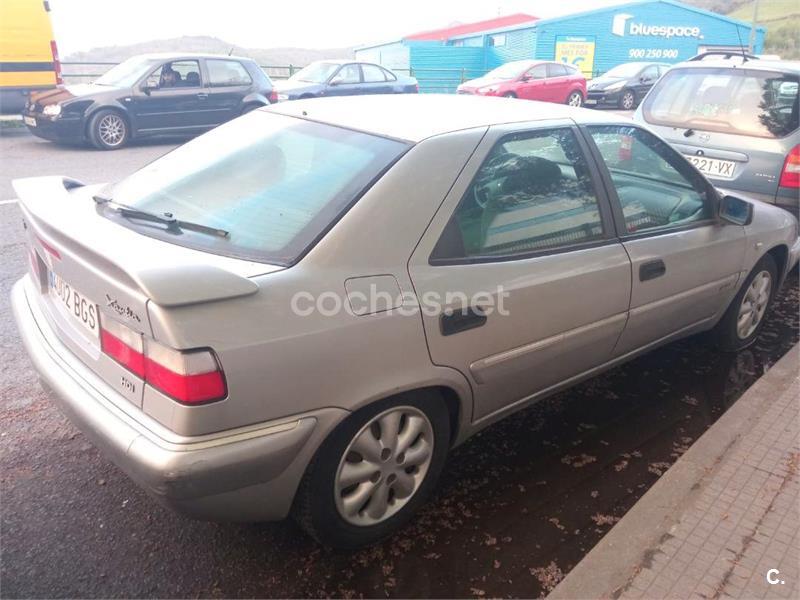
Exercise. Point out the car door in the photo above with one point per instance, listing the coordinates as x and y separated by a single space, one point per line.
558 83
345 82
228 84
685 262
532 84
645 80
529 285
374 80
178 105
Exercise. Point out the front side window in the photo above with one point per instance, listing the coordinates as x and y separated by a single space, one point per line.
728 100
317 72
224 73
372 74
177 74
532 193
657 188
347 74
650 74
537 72
274 183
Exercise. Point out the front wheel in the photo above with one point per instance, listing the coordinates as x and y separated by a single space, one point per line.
108 130
373 472
575 99
628 100
509 95
742 322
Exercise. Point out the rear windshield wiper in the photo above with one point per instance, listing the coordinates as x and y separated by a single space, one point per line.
172 224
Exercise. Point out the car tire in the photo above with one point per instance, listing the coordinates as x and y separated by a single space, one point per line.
108 130
509 95
734 332
575 99
344 505
627 101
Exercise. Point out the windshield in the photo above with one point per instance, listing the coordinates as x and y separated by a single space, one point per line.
509 70
126 73
624 71
275 183
729 100
317 72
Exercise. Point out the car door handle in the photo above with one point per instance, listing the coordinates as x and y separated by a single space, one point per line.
652 270
202 95
461 320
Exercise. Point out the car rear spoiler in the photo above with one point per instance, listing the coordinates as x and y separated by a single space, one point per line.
60 210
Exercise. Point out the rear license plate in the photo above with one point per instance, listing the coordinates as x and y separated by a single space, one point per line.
74 305
713 166
29 121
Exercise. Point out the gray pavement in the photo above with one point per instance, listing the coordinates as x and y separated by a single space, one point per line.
725 519
25 155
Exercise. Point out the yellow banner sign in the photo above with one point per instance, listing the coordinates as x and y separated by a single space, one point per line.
576 51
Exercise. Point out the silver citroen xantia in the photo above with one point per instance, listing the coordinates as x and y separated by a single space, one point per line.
302 311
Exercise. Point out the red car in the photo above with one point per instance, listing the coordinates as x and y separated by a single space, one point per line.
531 80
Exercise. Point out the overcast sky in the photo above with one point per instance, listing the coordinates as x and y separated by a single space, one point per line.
84 24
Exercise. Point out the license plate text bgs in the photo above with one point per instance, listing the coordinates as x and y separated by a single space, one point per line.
74 303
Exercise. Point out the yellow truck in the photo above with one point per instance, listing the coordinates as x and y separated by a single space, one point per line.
28 52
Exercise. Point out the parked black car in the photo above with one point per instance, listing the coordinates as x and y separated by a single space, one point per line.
344 78
147 95
625 85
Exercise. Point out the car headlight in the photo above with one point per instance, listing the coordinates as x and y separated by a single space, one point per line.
615 86
52 110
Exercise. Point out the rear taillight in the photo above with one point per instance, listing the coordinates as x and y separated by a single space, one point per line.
790 176
56 62
273 97
122 344
190 377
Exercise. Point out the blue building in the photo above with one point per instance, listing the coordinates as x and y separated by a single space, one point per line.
595 41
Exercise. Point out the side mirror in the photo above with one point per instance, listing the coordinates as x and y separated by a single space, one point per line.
735 210
150 84
525 78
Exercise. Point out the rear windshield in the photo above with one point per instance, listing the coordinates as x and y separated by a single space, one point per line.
729 100
275 183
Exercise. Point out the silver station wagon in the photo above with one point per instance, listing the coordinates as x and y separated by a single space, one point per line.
302 311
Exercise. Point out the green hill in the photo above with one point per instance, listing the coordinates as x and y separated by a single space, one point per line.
780 17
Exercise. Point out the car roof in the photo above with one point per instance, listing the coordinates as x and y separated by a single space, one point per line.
415 117
181 55
785 66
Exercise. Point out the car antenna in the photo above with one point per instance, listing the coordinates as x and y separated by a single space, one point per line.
741 44
231 50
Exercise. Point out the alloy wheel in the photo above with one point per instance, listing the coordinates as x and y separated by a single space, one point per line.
628 100
111 130
575 99
384 465
754 305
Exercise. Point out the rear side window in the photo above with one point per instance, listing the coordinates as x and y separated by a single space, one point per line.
532 193
275 183
657 188
728 100
372 74
555 70
538 72
222 73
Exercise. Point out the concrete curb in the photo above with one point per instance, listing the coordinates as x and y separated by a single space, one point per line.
613 562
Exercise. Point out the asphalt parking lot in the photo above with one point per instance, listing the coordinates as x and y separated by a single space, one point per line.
518 505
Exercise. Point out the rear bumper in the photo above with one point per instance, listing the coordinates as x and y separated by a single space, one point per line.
247 474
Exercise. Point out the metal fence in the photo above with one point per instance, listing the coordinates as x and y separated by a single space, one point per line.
430 80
